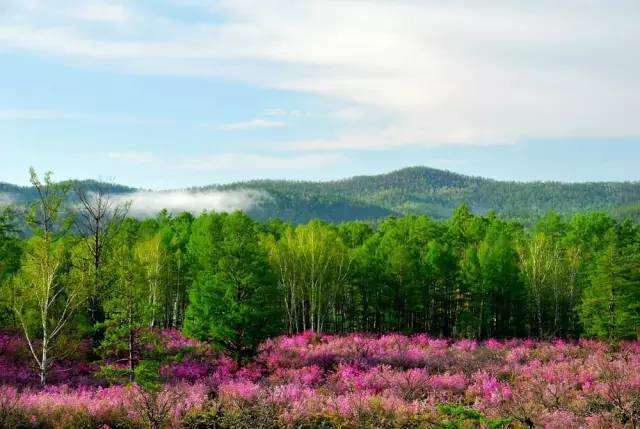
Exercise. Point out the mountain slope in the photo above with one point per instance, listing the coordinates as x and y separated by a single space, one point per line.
423 190
415 190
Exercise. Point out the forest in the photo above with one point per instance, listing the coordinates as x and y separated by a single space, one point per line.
88 273
409 191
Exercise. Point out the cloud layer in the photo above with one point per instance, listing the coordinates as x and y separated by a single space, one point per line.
252 123
149 203
440 72
229 161
6 199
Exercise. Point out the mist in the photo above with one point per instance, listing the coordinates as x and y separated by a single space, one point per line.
6 199
149 203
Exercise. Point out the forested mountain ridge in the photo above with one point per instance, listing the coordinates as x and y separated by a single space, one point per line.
26 194
423 190
415 190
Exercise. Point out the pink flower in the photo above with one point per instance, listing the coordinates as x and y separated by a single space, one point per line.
243 389
493 344
488 390
468 345
559 419
448 381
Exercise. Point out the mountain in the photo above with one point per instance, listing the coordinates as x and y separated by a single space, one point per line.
26 194
414 190
423 190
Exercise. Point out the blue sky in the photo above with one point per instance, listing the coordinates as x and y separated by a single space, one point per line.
174 93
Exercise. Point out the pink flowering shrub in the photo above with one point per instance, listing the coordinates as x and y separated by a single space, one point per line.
17 366
115 406
355 380
187 370
242 390
173 340
522 383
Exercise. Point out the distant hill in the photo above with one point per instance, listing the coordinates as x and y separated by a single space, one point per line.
416 190
25 194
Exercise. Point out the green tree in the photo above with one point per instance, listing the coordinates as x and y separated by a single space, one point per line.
501 291
312 266
441 271
541 259
43 299
126 303
611 305
232 299
470 319
370 283
10 256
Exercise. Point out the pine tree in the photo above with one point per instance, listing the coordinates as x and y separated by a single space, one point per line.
611 304
231 300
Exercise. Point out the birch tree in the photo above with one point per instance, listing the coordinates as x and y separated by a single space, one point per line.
43 300
313 266
540 264
151 254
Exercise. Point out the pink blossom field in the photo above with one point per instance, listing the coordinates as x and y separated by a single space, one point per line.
339 381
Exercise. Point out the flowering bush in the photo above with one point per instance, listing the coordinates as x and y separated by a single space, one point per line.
115 406
360 379
17 367
355 380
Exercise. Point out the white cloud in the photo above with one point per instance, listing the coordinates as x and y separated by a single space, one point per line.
32 114
403 133
234 161
252 123
147 203
134 157
101 12
48 114
231 161
6 199
350 113
441 72
276 111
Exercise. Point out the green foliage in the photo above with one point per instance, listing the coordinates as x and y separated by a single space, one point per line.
232 295
43 298
147 375
10 257
114 375
46 214
500 292
313 267
459 417
126 301
611 305
262 416
250 416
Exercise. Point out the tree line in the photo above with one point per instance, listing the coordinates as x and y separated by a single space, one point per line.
88 269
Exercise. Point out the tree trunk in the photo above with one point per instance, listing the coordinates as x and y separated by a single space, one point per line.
43 363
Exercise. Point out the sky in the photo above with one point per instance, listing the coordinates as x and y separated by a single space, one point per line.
165 94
